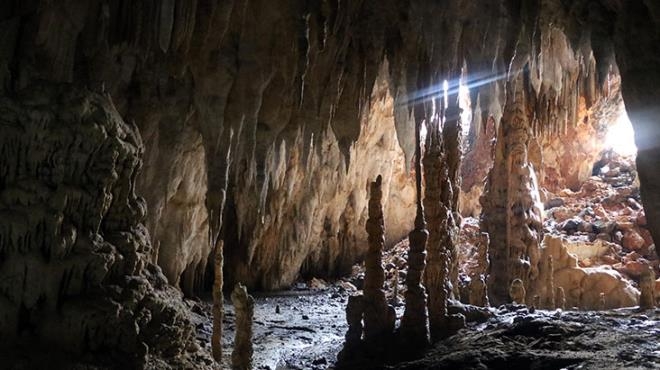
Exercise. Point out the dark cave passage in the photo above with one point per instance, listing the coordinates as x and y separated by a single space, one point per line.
317 184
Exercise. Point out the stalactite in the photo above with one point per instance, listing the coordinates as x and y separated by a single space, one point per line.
241 356
378 315
216 336
414 328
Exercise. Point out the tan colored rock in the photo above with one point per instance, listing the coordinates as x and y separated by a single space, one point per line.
241 356
647 285
632 240
478 294
512 210
632 268
560 298
640 219
582 286
517 292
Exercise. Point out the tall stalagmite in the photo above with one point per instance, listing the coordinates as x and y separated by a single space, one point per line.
414 329
216 337
241 356
452 141
512 211
439 257
378 315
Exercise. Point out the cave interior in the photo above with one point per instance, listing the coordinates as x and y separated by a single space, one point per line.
314 184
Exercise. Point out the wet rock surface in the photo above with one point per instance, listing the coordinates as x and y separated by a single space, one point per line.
301 328
515 339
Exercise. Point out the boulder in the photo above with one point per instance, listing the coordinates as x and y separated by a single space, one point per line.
632 240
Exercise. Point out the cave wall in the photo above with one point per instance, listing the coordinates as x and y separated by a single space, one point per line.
261 121
313 217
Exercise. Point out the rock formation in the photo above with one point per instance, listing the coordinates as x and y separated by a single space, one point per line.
73 247
439 260
647 289
241 356
517 291
512 212
414 323
354 312
583 286
258 124
218 298
560 298
478 292
378 315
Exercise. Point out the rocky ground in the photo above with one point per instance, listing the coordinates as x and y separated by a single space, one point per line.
300 328
518 339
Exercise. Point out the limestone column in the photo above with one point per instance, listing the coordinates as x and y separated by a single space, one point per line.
379 317
241 356
512 211
452 138
439 257
217 310
414 329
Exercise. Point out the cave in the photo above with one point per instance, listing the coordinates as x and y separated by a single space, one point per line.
327 184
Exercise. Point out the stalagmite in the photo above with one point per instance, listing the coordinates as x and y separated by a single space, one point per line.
395 287
216 336
550 285
478 288
478 296
560 298
354 311
414 328
241 356
439 257
512 210
482 256
601 302
378 315
517 292
452 142
647 288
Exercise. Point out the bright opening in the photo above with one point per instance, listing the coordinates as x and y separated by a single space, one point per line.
621 137
465 104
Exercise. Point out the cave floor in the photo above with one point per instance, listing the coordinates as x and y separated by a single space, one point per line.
517 339
301 328
308 333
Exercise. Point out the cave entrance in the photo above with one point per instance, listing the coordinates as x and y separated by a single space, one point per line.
620 136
